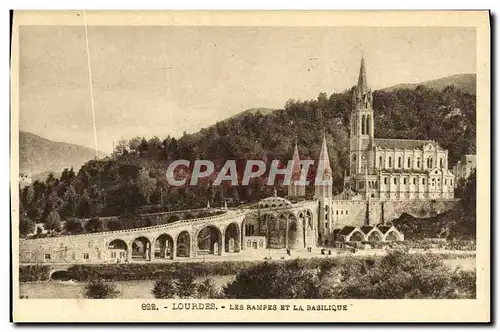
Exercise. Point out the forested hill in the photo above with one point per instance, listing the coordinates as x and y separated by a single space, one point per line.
135 173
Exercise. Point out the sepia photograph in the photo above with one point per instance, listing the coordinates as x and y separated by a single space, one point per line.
209 164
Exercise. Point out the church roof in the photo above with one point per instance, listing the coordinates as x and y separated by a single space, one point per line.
346 230
366 229
396 143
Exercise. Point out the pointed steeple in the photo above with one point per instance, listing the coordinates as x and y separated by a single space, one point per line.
362 81
324 161
296 163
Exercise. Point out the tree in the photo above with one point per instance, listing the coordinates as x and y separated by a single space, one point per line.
53 222
72 226
274 281
146 184
100 290
185 285
115 225
164 288
26 226
397 275
94 225
207 290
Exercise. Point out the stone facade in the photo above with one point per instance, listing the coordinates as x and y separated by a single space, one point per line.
464 167
392 169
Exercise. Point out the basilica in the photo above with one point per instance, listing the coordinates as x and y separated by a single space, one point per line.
385 169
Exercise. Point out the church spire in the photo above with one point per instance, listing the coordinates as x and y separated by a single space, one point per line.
324 190
295 189
324 160
296 163
362 81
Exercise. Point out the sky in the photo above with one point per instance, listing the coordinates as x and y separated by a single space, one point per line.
164 80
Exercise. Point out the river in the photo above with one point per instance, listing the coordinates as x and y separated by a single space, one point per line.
141 289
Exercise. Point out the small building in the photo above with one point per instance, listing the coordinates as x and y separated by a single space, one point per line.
464 167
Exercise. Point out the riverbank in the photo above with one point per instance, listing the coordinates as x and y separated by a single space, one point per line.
141 289
153 271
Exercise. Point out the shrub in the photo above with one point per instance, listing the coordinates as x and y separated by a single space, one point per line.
173 218
185 285
115 225
73 227
94 225
26 226
207 290
100 290
164 288
274 281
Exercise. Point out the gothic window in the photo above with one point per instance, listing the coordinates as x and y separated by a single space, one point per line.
337 212
390 162
423 181
418 162
445 182
414 180
451 182
380 162
409 162
346 212
394 180
429 162
354 158
85 256
47 256
404 180
399 162
368 124
342 212
441 162
363 125
385 180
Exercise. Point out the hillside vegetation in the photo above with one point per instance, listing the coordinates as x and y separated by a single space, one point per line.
134 175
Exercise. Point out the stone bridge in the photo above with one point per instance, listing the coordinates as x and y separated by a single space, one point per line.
216 235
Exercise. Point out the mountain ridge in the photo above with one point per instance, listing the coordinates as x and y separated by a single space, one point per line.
465 82
38 154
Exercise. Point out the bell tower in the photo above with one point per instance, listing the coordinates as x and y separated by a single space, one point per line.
361 128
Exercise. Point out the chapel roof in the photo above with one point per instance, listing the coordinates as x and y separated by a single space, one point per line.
396 143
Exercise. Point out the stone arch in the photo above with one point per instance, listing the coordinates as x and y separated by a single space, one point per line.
356 236
118 250
141 248
164 247
375 236
232 238
209 241
183 247
392 236
61 275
